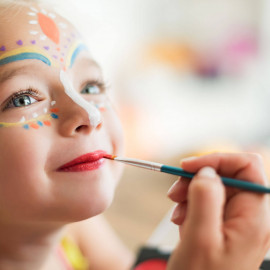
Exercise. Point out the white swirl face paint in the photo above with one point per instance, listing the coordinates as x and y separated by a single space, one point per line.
93 112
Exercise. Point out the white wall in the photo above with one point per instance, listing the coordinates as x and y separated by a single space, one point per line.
175 113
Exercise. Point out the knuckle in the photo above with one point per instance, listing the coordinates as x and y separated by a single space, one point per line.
202 188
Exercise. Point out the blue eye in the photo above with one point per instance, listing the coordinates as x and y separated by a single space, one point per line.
23 101
23 98
93 88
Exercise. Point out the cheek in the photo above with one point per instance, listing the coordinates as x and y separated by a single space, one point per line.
23 180
23 155
114 129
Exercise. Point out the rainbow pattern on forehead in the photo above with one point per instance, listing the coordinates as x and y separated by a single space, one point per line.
28 52
74 51
50 40
34 52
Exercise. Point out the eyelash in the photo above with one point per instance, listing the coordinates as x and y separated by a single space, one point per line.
35 93
29 91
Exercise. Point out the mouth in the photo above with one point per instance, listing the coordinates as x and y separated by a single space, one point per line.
87 162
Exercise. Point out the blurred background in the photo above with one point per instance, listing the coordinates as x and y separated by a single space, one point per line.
187 77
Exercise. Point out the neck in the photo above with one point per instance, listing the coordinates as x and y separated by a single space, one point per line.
28 246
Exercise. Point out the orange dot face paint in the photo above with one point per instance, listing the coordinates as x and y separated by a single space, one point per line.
54 110
47 123
37 120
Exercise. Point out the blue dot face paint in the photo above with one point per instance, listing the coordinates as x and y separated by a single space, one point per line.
37 120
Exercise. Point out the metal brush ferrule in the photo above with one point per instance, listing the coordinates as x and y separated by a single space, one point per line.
140 163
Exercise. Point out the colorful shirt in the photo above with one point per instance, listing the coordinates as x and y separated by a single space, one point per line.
72 256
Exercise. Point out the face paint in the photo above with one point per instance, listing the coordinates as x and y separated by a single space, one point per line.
56 44
74 51
30 52
101 106
93 112
36 121
49 40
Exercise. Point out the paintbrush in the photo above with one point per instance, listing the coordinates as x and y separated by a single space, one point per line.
158 167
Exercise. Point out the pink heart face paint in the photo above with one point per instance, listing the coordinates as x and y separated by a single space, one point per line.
50 39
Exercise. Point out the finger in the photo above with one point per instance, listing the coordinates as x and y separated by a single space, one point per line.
243 166
204 216
179 213
178 191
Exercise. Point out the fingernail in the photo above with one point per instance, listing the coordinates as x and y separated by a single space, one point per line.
176 213
207 172
187 159
171 189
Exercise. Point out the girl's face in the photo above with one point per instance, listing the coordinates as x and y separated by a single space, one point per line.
52 141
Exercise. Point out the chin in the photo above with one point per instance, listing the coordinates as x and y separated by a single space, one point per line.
85 208
83 198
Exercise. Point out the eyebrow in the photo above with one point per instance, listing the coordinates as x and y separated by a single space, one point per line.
92 63
10 73
87 62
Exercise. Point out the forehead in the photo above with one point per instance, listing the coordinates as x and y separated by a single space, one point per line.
34 32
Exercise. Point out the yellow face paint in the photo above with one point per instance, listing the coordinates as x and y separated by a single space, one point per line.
37 120
28 52
48 38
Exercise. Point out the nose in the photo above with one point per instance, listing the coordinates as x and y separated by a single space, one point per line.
74 120
78 115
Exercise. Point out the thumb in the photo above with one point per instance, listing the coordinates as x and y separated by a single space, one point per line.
206 199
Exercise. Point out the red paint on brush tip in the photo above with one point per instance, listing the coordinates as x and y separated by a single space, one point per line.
109 156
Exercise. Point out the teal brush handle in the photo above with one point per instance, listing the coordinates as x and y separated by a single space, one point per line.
226 181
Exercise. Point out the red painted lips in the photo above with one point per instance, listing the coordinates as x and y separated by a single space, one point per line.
87 162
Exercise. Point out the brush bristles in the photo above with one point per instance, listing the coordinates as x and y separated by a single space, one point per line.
109 156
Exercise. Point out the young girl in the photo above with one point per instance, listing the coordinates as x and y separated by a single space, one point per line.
56 124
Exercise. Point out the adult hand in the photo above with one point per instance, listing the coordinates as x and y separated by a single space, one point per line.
221 228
